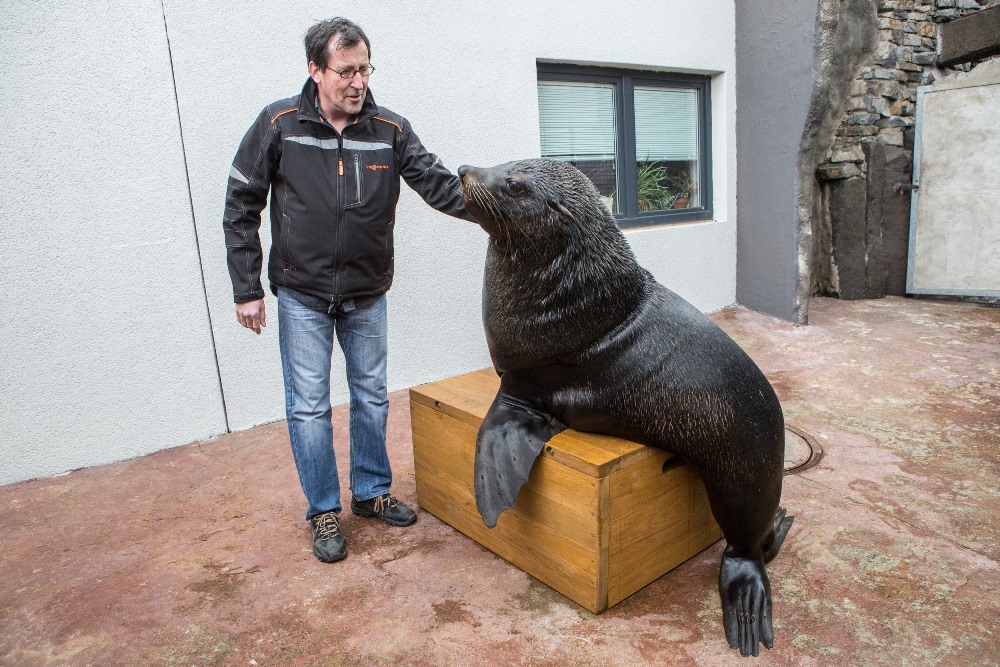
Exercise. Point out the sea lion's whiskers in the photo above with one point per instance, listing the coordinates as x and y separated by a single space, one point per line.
481 196
489 201
510 222
494 206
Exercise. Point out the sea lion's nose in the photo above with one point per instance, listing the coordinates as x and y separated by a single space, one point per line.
463 170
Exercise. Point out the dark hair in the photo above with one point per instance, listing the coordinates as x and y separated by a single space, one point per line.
318 39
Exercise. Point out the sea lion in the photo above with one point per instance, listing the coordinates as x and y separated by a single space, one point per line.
585 338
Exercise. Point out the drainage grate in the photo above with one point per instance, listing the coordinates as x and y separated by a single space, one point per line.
801 450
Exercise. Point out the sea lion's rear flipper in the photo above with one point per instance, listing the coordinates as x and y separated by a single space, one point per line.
746 603
781 525
510 438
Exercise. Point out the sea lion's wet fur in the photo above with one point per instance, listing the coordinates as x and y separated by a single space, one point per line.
584 337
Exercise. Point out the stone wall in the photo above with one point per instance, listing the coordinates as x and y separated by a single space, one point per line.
861 225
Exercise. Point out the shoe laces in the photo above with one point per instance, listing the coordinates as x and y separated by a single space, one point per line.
327 525
384 502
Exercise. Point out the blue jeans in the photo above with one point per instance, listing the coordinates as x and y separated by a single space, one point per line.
305 337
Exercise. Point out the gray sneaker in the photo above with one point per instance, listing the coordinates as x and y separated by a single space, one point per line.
328 539
386 507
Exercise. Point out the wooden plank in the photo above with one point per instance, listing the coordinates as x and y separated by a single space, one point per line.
662 552
569 449
449 403
531 531
618 451
516 538
658 551
638 568
664 508
604 544
454 435
430 453
549 478
573 525
635 485
465 397
595 454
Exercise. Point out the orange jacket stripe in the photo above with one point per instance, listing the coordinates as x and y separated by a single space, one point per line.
282 114
390 123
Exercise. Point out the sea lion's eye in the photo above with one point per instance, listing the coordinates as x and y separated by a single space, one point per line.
514 187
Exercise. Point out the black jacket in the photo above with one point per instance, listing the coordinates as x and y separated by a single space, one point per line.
333 199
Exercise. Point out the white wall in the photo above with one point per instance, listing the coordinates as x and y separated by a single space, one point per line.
106 345
107 341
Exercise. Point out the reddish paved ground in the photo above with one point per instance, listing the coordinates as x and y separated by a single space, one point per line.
198 555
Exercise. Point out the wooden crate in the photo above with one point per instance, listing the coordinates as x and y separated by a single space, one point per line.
599 518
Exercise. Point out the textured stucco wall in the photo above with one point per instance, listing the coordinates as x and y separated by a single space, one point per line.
776 48
106 344
117 351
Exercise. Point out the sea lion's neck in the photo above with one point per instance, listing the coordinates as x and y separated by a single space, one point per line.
539 309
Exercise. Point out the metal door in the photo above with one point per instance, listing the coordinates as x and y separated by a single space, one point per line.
955 210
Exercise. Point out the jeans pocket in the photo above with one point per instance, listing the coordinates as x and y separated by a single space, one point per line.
368 320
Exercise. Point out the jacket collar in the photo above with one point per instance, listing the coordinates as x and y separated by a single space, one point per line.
308 110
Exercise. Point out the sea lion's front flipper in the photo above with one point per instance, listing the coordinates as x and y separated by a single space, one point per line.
746 603
510 438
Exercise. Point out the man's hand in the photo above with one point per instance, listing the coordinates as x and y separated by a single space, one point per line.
250 314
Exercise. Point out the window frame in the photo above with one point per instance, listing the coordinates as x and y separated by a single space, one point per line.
625 81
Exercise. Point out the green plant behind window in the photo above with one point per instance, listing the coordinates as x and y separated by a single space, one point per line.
655 193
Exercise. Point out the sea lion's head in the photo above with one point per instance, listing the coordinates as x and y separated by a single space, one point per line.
531 200
559 273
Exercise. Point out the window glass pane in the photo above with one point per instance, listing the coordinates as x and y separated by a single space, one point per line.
666 147
578 125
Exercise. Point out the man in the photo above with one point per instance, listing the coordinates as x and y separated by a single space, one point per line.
331 159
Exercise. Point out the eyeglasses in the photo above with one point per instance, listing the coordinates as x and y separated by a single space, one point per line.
365 71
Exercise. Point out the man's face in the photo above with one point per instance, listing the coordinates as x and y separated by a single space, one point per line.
339 97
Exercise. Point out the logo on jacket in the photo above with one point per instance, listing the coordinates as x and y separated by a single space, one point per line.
376 167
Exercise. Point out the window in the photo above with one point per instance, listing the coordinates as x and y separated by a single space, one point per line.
641 137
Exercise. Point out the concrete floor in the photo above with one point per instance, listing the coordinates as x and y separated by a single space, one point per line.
198 555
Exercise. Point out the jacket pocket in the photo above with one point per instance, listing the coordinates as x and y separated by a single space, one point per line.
286 236
355 191
389 248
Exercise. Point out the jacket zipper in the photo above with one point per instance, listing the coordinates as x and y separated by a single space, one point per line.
335 297
357 177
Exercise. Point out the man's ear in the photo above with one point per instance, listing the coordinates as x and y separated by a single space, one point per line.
314 71
560 208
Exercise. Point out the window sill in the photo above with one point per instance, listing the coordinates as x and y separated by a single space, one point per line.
660 219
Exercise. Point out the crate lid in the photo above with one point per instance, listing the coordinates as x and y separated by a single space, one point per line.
467 398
